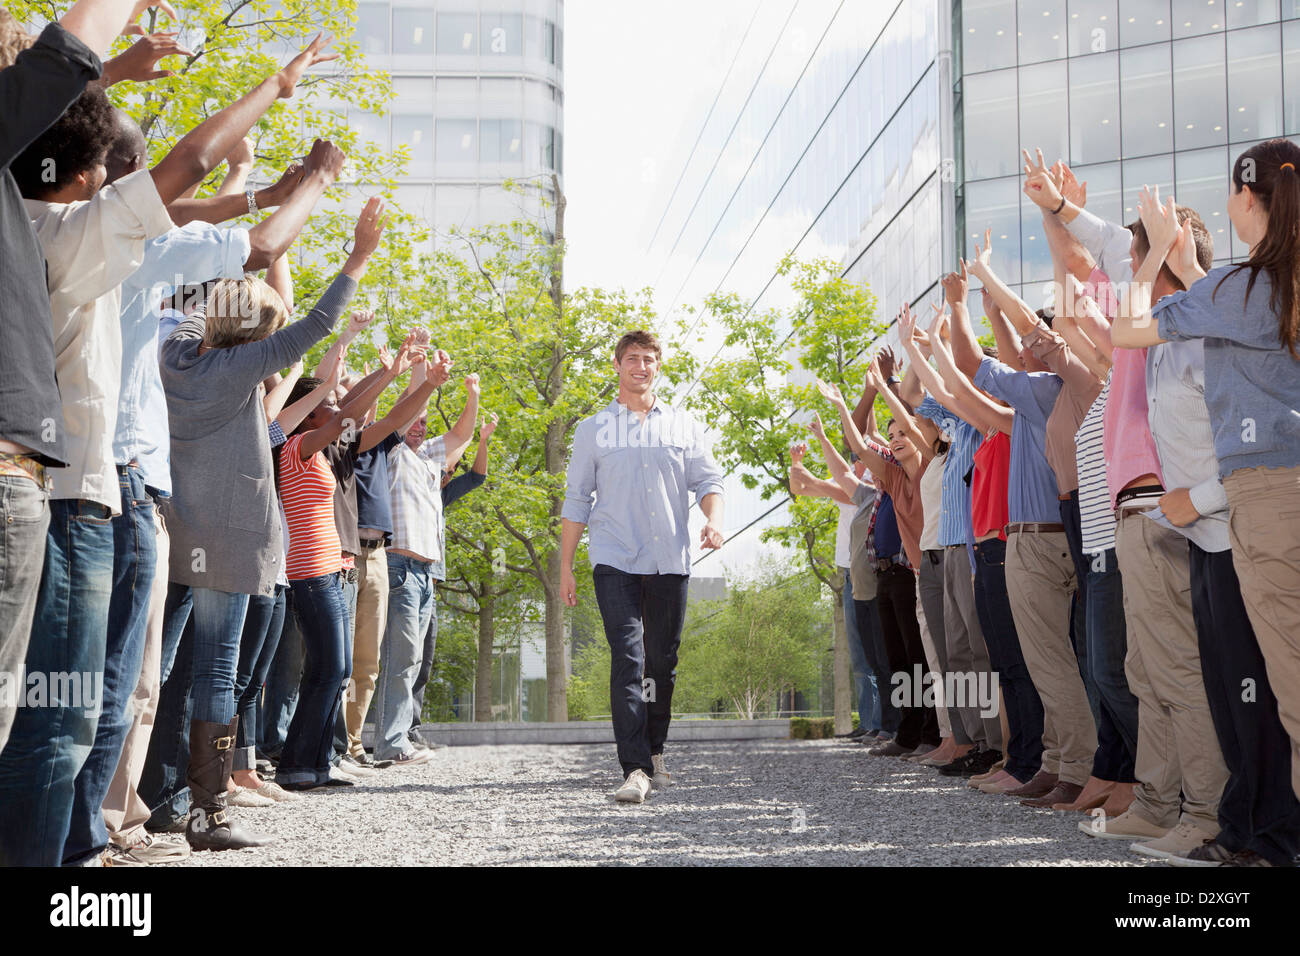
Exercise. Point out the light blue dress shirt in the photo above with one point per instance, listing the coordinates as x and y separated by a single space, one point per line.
186 255
642 475
1031 490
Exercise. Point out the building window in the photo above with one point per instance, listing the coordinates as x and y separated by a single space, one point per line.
1202 184
1249 13
457 141
1254 84
372 28
457 33
1143 21
1195 17
1093 26
1041 26
1094 108
1044 110
1148 99
1200 94
500 140
990 108
415 131
412 31
503 34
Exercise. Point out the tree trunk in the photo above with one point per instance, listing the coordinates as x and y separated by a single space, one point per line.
843 670
487 633
557 670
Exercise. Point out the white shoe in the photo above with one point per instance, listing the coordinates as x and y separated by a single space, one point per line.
662 778
244 797
354 771
635 788
1178 842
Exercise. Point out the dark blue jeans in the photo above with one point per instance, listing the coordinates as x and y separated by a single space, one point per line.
864 675
349 588
1113 759
322 620
867 614
643 616
1019 696
280 699
1258 810
162 783
134 557
257 646
218 624
1107 648
53 733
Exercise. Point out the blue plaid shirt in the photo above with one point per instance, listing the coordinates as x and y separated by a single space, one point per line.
964 438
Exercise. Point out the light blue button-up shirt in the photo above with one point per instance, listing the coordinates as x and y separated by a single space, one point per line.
642 475
1031 491
186 255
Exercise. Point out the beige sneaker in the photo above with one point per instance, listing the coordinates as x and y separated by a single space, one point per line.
662 778
1127 826
273 791
244 797
635 788
1178 842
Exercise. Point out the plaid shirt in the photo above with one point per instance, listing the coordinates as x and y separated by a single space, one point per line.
415 491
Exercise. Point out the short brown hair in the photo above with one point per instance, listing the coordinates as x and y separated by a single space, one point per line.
14 38
1200 235
641 339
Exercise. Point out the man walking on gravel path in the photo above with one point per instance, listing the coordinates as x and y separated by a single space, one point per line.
641 458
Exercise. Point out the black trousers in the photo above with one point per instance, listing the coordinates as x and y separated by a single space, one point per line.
1258 810
896 600
643 616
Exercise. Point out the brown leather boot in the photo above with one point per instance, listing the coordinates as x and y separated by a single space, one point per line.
210 826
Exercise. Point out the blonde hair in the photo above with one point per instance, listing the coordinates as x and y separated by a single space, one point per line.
240 311
14 38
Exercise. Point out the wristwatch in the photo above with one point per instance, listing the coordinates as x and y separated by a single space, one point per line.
251 196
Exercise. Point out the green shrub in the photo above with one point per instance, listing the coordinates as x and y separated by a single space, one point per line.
812 728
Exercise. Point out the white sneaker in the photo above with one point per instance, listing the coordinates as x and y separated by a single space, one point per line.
662 778
635 788
354 771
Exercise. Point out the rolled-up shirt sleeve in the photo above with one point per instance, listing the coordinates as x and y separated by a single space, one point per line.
1108 242
1208 497
580 478
703 476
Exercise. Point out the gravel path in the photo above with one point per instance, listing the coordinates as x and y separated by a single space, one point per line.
739 803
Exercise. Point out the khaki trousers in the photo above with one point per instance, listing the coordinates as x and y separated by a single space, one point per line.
1264 528
1177 747
124 810
933 666
372 618
967 652
1040 582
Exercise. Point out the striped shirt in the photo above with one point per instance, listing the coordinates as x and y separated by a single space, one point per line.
1094 494
307 493
963 438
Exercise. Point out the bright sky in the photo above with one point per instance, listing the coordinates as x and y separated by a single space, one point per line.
638 81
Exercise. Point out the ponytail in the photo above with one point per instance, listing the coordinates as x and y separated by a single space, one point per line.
1272 170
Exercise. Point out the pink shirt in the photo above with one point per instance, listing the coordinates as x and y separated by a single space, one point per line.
1126 435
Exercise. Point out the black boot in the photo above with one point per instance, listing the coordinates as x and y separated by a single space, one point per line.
210 826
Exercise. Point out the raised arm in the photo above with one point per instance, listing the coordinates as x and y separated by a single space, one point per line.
965 347
278 389
1134 326
972 404
904 419
279 279
97 23
199 152
1017 311
1046 186
290 418
457 439
231 201
841 471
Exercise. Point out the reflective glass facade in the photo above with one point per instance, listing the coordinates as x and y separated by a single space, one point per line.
824 141
1130 92
479 98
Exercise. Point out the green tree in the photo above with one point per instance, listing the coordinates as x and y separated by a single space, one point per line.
754 393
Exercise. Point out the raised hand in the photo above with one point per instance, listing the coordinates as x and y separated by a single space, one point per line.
797 451
370 227
1182 257
830 392
1039 183
359 321
422 338
888 361
1074 191
815 426
140 61
986 300
293 70
906 324
440 368
488 427
471 384
956 285
1161 221
134 29
326 158
980 265
278 192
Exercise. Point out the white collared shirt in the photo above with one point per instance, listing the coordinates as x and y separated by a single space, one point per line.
90 247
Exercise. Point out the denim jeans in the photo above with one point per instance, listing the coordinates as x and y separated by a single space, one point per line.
134 557
426 668
1024 708
340 746
163 787
1107 648
322 620
863 676
410 606
51 738
643 616
262 626
867 615
280 698
24 523
218 623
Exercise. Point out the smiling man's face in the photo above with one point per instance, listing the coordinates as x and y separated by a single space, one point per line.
637 369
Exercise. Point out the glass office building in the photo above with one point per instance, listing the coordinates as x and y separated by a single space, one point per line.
479 99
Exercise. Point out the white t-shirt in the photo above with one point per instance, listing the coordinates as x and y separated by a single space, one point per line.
843 554
932 502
